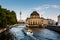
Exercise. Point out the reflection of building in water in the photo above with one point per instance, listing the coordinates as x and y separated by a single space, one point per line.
59 20
36 20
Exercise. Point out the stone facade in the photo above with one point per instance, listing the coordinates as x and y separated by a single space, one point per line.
36 20
59 20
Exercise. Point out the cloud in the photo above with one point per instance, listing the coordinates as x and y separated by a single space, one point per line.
47 10
46 7
44 11
55 6
41 7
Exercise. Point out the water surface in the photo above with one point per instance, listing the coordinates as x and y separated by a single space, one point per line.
16 33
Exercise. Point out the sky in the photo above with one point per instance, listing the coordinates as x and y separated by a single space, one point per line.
46 8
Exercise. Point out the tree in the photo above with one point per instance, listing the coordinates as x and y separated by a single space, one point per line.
0 6
7 17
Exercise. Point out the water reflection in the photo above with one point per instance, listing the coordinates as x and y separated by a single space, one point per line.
16 33
45 34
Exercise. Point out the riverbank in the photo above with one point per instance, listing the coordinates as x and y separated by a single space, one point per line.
8 27
16 33
54 28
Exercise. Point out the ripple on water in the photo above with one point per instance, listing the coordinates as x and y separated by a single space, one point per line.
46 34
17 33
41 34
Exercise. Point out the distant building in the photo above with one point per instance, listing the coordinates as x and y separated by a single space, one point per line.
36 21
59 20
50 22
21 21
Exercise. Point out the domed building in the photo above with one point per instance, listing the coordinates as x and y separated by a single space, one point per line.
36 21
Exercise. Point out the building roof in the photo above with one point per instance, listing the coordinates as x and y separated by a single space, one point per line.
34 13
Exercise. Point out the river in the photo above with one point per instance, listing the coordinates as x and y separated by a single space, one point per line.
16 33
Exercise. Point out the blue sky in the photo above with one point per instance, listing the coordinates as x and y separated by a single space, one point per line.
46 8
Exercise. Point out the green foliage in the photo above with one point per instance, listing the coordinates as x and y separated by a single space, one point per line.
7 17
